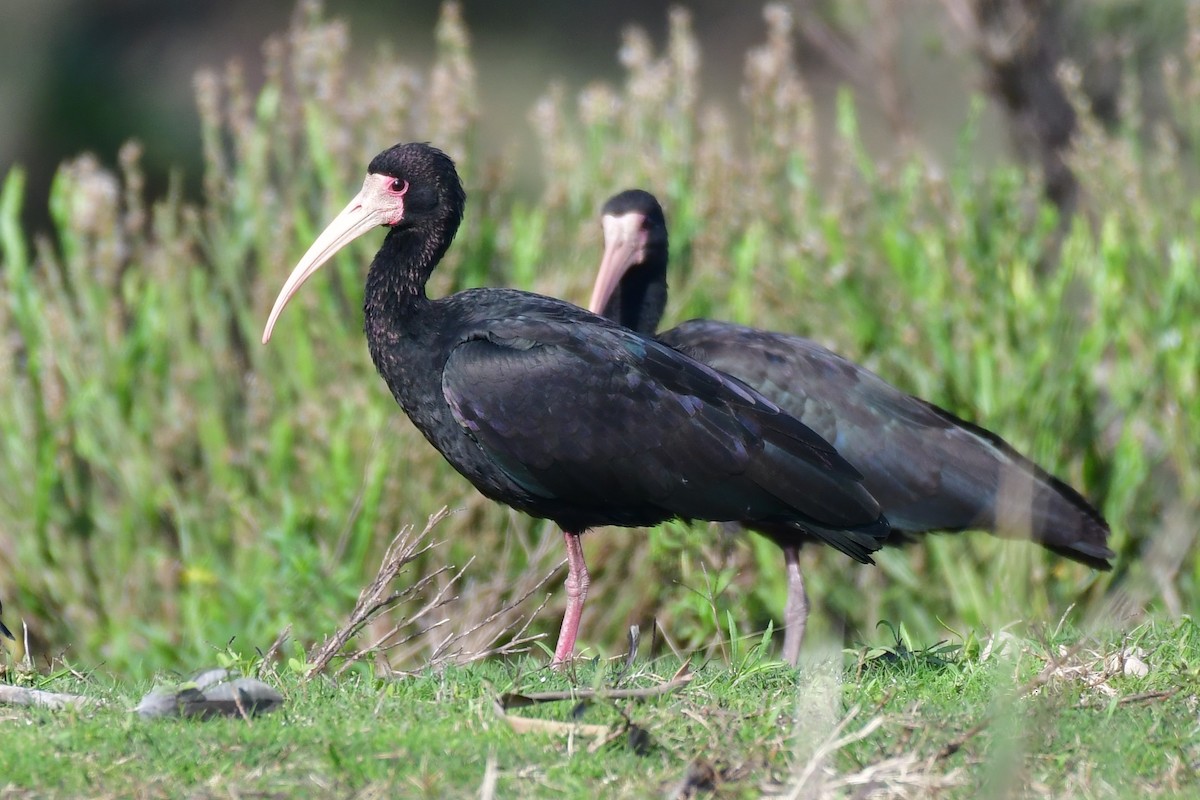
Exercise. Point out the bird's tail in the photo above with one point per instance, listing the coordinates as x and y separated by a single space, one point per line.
1028 502
825 492
857 542
1031 503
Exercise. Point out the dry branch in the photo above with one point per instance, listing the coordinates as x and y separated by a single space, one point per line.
526 725
377 596
20 696
496 626
519 699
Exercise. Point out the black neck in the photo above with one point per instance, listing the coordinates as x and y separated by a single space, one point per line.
397 278
641 297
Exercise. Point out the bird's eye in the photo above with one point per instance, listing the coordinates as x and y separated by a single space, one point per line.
399 186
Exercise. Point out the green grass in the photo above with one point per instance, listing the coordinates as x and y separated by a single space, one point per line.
172 493
1023 717
168 485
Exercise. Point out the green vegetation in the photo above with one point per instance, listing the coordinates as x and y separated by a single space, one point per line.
173 494
1061 718
168 485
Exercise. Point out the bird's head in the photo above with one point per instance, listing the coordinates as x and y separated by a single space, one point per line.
631 282
408 186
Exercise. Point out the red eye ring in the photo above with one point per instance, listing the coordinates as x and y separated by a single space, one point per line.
396 188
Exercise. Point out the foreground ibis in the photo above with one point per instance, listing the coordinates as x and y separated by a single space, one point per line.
563 414
929 470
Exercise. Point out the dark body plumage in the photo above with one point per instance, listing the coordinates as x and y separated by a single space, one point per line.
929 470
565 416
562 414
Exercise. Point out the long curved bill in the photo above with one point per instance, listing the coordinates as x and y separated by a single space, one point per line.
361 215
624 246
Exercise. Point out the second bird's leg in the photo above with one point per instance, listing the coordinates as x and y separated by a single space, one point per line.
795 613
577 584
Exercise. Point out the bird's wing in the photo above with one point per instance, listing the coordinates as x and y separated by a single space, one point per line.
605 418
929 469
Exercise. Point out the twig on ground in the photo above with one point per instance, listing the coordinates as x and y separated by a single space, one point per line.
1146 697
526 725
437 601
833 742
1061 667
277 645
518 638
906 775
954 745
519 699
20 696
604 734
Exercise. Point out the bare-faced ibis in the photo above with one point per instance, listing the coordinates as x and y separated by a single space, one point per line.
563 414
929 470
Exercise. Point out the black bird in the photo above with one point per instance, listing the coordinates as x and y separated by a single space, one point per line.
929 470
563 414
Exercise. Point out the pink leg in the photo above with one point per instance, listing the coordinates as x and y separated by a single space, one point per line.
795 614
578 581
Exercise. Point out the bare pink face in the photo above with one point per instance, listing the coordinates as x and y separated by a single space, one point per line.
624 246
379 202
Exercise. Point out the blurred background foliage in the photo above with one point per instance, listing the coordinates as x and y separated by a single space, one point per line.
990 204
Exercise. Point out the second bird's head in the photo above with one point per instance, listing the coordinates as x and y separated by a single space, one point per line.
631 283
